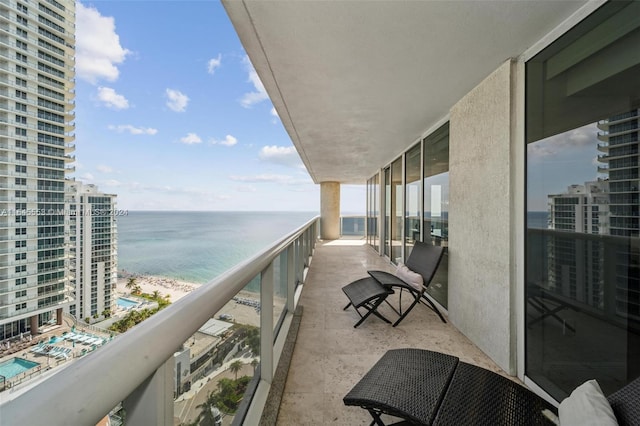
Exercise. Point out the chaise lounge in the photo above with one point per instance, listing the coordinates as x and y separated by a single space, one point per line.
430 388
414 278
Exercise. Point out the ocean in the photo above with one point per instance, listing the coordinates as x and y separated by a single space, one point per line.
197 246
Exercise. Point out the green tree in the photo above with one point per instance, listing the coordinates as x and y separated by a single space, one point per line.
156 295
254 364
235 367
131 283
205 418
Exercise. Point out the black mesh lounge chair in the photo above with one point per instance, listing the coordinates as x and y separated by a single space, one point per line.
430 388
424 260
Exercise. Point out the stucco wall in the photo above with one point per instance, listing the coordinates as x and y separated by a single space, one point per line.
480 255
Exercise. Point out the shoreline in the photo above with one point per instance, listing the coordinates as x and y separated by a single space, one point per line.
241 313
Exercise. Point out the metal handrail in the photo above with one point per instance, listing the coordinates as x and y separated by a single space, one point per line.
85 393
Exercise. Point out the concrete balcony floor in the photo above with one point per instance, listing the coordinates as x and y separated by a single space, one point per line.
330 356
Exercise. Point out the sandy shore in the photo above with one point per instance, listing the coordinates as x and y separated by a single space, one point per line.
243 310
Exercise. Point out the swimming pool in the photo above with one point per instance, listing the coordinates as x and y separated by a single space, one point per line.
126 303
15 366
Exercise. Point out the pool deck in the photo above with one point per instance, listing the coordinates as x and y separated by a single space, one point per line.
46 362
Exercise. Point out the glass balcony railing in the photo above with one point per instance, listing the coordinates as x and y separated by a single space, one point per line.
218 346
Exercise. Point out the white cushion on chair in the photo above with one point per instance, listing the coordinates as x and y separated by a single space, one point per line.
586 405
407 275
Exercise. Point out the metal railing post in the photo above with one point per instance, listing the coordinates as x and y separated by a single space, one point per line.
151 403
266 324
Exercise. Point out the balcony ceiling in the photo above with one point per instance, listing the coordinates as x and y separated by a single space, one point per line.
357 82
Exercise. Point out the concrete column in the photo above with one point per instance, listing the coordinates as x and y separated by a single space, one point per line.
59 316
329 210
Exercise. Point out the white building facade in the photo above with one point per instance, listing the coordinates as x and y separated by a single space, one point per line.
37 42
94 261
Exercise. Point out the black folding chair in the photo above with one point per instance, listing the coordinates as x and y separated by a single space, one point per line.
370 292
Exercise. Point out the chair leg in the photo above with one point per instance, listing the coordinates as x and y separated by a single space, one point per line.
415 302
434 308
371 309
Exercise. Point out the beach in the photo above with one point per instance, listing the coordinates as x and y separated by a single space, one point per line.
243 309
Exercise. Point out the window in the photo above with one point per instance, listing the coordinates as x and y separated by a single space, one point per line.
412 190
21 306
21 268
20 94
21 132
21 119
21 82
21 169
21 156
20 69
21 281
21 194
21 45
21 231
21 144
583 230
21 293
21 57
22 21
21 243
21 33
21 219
21 256
435 226
22 8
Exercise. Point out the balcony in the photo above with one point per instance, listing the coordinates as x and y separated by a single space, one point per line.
328 358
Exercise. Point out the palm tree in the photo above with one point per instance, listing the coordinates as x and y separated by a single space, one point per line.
235 367
156 294
131 283
206 418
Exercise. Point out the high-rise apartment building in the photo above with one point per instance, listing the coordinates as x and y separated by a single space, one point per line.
37 42
93 258
620 145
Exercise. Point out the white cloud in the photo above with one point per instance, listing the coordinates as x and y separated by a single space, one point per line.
282 155
191 139
227 141
581 137
133 130
87 176
213 64
112 182
274 112
263 178
246 188
177 100
104 169
98 49
111 99
259 94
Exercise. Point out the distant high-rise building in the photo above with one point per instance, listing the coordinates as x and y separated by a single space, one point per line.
575 264
37 44
620 145
93 239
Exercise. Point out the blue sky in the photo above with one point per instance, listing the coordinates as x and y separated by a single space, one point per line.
170 114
